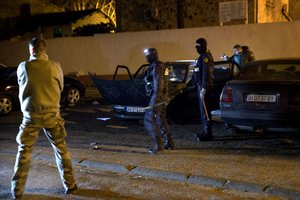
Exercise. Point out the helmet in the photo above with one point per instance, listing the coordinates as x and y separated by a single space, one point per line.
151 54
201 41
149 51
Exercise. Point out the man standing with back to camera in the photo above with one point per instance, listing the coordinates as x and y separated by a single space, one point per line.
40 84
155 120
203 75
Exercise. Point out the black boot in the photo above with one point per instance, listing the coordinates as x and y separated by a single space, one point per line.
169 143
206 135
157 146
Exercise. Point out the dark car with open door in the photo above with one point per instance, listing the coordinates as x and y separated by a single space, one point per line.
129 98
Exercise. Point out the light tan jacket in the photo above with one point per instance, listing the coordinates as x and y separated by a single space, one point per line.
40 84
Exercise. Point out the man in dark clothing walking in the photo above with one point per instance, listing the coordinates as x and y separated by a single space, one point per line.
203 75
242 55
155 120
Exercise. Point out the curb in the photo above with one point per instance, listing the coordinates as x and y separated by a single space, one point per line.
141 171
220 183
105 166
193 179
202 180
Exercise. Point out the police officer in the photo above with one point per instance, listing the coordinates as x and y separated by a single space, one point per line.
203 75
155 120
40 84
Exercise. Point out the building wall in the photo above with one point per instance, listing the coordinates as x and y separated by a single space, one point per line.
48 31
94 18
102 53
139 15
270 11
11 8
294 9
201 13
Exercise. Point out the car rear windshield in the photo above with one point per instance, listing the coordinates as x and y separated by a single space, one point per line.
265 71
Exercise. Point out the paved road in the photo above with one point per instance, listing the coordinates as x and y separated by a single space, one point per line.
112 151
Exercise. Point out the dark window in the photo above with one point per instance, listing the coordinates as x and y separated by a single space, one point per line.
271 71
177 72
25 10
57 32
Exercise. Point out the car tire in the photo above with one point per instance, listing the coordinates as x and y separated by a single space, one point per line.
6 105
72 95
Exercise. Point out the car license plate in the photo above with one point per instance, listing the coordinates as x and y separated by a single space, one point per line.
135 109
261 98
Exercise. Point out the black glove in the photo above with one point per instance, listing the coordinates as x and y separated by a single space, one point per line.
148 79
148 89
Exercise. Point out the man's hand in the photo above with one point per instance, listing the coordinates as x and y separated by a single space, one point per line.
202 93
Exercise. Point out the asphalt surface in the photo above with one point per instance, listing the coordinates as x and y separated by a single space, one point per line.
249 165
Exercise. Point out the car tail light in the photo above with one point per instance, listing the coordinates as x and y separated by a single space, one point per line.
226 95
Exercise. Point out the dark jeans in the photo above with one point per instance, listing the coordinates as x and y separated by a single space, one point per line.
156 124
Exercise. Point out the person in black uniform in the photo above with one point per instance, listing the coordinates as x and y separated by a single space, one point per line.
155 120
203 75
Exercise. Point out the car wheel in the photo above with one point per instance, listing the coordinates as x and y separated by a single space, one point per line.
72 95
6 105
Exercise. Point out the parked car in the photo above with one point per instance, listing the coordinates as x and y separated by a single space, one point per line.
9 89
264 97
2 65
129 98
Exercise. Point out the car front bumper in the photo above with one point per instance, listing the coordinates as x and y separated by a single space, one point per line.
129 112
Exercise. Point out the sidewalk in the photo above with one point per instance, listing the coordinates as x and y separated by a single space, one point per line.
271 175
202 167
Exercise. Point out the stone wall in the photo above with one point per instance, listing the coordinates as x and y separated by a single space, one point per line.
270 11
201 13
139 15
11 8
294 9
95 18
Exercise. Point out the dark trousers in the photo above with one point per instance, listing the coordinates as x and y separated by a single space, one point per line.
205 118
157 126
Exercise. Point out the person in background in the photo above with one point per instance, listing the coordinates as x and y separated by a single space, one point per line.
155 120
203 77
242 55
40 84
